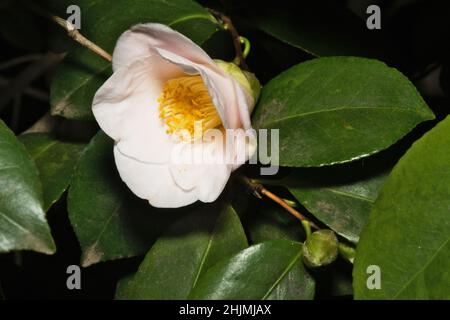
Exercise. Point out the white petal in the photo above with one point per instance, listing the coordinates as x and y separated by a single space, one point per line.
206 166
143 39
152 182
221 87
245 143
208 180
126 109
244 103
202 167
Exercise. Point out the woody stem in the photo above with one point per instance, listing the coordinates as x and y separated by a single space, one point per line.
237 39
258 190
73 32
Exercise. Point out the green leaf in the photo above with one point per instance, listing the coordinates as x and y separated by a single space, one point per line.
408 231
271 270
335 110
174 264
270 222
55 160
23 225
339 196
122 286
109 221
319 30
77 80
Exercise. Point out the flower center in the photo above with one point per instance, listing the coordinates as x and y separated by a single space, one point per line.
184 102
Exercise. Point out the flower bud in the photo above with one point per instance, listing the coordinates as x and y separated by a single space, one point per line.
245 78
320 249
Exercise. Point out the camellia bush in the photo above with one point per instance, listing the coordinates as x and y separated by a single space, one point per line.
323 135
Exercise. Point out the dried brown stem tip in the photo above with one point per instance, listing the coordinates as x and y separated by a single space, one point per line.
71 31
78 37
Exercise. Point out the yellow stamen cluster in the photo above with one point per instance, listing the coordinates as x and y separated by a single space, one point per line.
185 101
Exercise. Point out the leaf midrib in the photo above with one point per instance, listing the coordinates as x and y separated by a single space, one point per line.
351 195
421 270
291 43
283 274
81 85
205 253
302 115
6 215
100 235
43 150
13 222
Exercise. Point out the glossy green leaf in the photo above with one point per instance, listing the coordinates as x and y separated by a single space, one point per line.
319 29
407 235
335 110
271 270
76 82
23 225
122 286
55 160
109 221
339 196
270 222
177 260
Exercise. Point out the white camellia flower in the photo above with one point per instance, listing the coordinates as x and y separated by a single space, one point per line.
165 97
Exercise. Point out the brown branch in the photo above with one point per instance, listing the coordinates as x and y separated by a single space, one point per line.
258 189
78 37
73 32
228 24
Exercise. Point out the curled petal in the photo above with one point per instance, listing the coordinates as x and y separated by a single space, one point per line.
152 182
244 101
145 39
202 167
142 39
126 109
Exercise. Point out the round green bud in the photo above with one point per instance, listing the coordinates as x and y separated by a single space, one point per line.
320 249
245 78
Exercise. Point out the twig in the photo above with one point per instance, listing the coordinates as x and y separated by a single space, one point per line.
23 80
19 60
258 189
73 32
78 37
29 91
347 252
228 24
